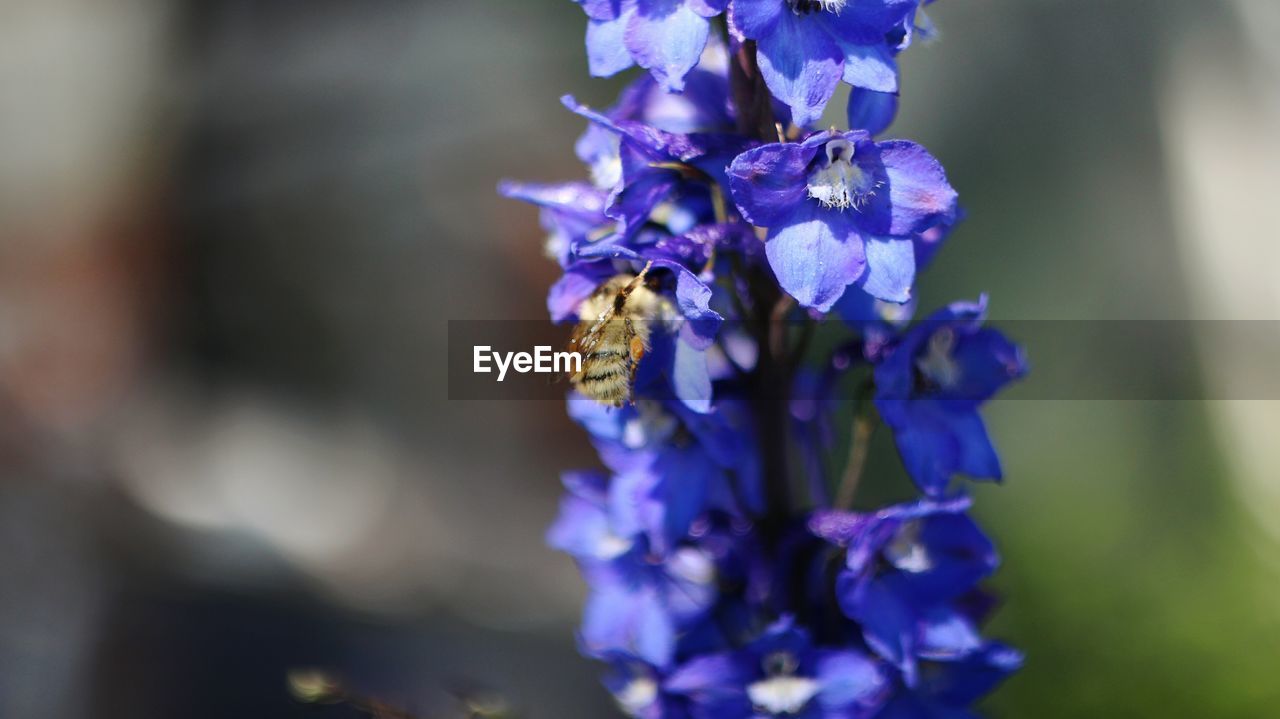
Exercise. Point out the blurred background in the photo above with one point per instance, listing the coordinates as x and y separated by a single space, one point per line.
232 234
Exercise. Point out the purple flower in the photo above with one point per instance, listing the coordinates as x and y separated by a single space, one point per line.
640 599
666 37
780 674
703 108
806 47
572 213
842 208
905 566
637 688
709 460
654 166
715 592
929 386
946 687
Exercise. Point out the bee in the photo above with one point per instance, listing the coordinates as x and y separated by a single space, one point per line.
612 337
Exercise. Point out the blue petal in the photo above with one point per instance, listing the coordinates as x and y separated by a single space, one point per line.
690 378
801 65
667 37
629 619
707 8
929 449
607 52
636 200
756 18
964 682
988 361
977 457
693 297
768 182
579 528
945 635
870 67
682 493
960 556
891 269
866 21
633 507
848 678
872 111
815 256
715 682
887 623
576 285
919 193
600 9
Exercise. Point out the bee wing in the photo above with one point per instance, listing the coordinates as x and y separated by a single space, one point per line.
588 333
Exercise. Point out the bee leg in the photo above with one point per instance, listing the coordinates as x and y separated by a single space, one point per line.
635 282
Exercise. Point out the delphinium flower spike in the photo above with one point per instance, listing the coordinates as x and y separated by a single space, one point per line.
730 575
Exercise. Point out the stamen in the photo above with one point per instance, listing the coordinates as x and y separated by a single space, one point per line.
611 546
937 364
906 552
841 184
782 694
637 695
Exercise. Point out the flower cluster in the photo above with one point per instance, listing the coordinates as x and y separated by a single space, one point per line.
730 576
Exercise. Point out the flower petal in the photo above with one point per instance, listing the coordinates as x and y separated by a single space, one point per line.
600 9
919 193
707 8
710 676
694 300
871 67
891 269
690 378
576 285
886 620
667 37
871 111
755 18
767 182
607 53
977 457
964 682
622 618
801 64
848 679
815 256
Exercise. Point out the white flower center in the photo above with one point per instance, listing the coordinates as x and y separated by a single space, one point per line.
692 565
840 184
937 363
611 546
638 694
782 694
831 5
906 551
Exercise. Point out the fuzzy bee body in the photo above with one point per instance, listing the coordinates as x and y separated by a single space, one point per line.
612 337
